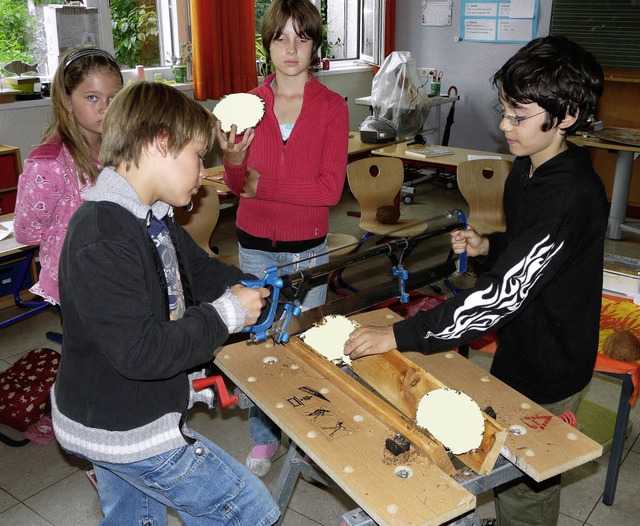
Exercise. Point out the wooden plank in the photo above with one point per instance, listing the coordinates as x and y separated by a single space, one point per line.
427 446
344 438
548 445
403 384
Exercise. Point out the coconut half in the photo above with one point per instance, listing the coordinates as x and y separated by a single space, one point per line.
242 109
328 336
453 418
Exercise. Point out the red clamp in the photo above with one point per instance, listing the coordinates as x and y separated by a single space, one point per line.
569 418
221 390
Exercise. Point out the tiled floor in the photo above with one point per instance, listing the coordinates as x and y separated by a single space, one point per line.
40 485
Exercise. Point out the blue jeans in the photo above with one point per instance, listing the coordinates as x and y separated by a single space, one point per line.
261 429
203 483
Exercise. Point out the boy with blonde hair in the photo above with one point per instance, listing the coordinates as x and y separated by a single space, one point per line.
143 306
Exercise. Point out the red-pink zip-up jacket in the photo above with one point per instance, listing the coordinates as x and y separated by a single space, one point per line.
299 179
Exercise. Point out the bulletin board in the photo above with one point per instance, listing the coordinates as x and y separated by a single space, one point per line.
499 21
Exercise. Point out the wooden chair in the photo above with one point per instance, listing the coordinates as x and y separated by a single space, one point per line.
202 219
376 182
481 183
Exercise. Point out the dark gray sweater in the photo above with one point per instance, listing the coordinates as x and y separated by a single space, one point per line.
122 388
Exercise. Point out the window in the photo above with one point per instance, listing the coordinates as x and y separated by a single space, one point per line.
353 28
148 32
155 33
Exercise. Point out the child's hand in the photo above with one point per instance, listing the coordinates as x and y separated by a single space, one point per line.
369 340
234 152
469 240
252 301
250 188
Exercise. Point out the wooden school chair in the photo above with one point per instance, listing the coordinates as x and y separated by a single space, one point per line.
376 182
481 183
203 217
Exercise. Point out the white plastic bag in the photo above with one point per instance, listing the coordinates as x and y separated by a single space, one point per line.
396 96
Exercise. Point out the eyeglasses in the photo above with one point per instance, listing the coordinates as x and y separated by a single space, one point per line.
512 119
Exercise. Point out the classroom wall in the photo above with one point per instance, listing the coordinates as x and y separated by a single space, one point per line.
23 126
467 65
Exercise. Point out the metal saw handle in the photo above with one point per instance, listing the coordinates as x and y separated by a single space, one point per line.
272 282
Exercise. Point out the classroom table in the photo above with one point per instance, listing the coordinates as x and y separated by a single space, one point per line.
621 182
12 251
358 149
452 161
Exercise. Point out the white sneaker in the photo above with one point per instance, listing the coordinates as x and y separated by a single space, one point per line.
258 466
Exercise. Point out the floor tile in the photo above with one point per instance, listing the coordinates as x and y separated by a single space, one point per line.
626 506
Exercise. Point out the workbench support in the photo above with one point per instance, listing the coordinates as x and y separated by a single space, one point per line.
295 466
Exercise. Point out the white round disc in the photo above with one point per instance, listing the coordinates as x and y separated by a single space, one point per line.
242 109
453 418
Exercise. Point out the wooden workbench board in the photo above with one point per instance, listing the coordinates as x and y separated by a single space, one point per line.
345 439
548 447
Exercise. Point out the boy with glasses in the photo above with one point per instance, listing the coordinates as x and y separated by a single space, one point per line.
542 292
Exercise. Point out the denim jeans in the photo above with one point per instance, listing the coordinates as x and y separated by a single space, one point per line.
261 429
203 483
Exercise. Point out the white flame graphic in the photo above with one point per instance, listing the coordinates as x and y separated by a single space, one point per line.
482 309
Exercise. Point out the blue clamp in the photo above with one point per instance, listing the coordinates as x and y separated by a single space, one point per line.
462 258
402 276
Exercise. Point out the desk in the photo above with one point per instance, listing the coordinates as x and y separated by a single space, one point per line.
10 251
621 182
343 426
359 149
459 155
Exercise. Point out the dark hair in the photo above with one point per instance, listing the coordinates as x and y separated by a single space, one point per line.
558 75
75 65
306 19
141 112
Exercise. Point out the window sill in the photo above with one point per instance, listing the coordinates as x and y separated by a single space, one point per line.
341 67
46 101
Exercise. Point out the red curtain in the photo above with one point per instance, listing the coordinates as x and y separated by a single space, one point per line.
224 55
390 27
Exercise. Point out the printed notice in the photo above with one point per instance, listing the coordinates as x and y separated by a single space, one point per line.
436 12
504 21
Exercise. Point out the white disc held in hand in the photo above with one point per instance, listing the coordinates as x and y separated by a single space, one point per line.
242 109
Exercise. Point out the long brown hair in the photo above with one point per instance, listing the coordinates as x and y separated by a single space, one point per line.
76 64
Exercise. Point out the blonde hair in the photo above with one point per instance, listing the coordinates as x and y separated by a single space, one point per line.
144 110
76 64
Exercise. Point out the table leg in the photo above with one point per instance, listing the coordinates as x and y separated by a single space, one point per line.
622 421
620 193
34 306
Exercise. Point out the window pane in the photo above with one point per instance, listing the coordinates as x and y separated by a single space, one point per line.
135 32
342 29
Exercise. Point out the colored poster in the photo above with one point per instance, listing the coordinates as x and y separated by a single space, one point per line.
503 21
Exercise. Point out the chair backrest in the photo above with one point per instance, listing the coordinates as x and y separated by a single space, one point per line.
481 183
202 219
374 182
